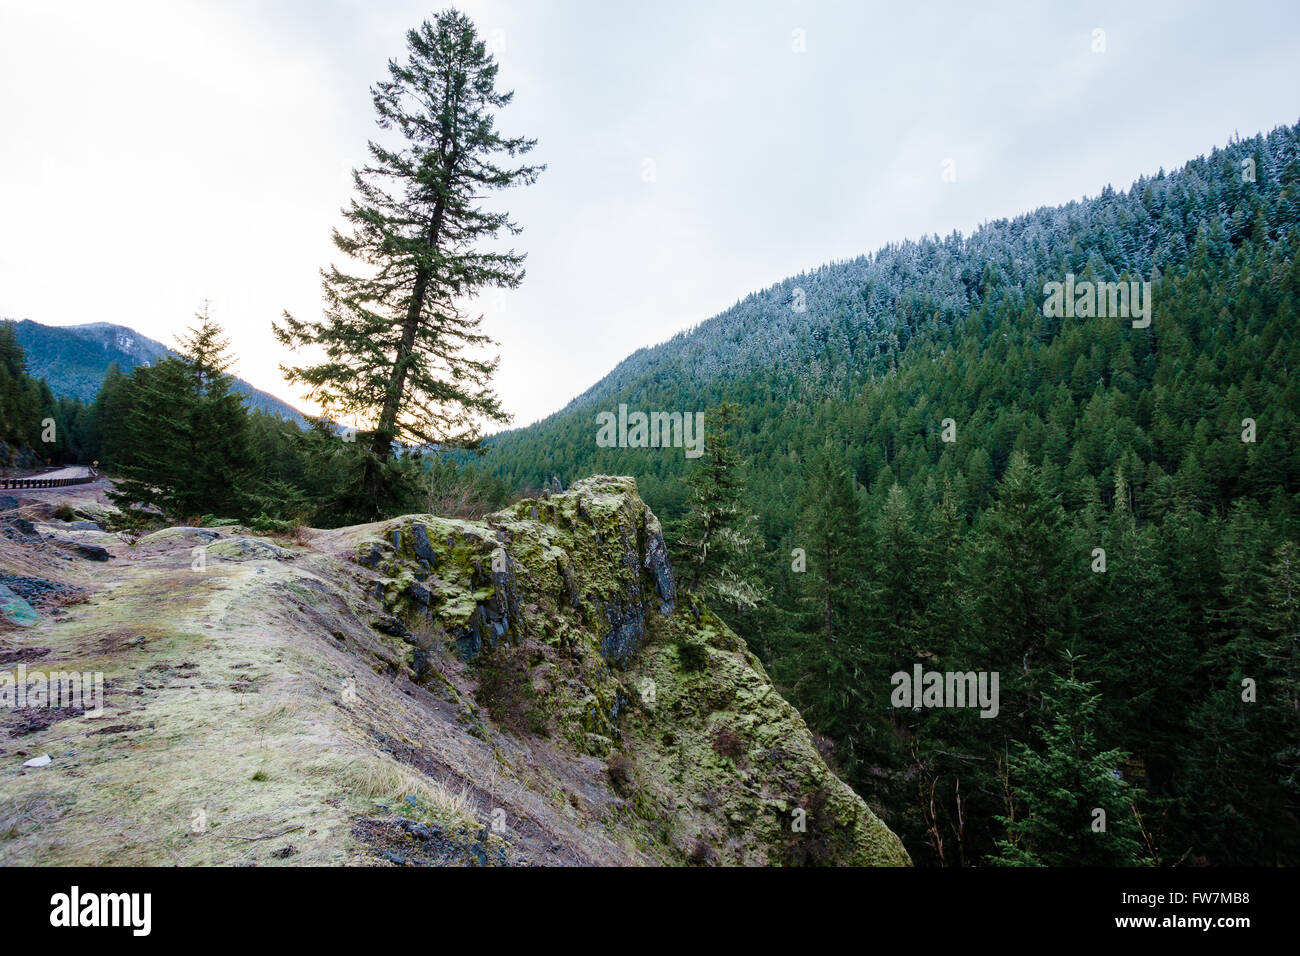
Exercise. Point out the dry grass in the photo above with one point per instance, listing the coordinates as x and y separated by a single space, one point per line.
249 742
231 737
386 781
28 562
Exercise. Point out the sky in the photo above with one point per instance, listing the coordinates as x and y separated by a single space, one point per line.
157 155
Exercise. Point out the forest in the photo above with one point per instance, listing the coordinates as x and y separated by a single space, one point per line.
1111 526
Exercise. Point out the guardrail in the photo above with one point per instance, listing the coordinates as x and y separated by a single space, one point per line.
46 482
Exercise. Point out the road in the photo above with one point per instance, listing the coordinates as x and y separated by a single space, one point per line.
74 471
70 475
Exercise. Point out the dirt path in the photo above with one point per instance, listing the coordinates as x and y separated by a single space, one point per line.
251 716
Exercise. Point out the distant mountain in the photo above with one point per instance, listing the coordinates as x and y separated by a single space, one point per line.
73 360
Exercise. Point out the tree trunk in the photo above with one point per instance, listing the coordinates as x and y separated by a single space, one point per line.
386 433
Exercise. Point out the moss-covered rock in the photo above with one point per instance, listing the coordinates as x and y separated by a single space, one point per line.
248 549
566 607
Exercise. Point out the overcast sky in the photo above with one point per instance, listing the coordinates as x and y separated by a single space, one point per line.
153 155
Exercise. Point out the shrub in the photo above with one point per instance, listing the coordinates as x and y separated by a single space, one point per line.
505 688
619 769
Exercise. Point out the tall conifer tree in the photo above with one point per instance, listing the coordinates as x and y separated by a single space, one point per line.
183 447
718 540
400 344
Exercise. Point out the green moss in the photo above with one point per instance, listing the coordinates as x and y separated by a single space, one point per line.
716 761
248 549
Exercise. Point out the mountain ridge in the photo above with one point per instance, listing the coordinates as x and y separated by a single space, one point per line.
525 689
833 328
67 358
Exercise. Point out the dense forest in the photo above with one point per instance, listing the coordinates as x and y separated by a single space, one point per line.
911 464
36 427
1105 515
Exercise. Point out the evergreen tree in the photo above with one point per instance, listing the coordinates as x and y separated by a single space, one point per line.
1053 795
184 443
827 663
717 541
398 339
1243 779
897 605
1021 570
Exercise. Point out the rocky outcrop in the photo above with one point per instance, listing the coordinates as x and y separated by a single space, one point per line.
565 609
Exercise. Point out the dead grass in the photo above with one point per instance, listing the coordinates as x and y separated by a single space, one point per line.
27 561
171 780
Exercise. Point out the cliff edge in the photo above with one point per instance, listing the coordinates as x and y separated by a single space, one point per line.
530 688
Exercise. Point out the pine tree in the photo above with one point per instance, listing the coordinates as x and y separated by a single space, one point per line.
1243 781
1020 571
184 443
717 541
1136 632
1054 795
397 337
1282 617
827 664
19 394
897 604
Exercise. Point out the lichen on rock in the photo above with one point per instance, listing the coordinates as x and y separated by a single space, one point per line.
566 608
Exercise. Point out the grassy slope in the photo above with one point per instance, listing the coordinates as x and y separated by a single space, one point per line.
256 696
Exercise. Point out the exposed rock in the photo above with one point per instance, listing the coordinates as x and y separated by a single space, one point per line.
91 552
20 526
16 610
390 625
420 542
567 610
248 549
41 593
182 534
75 525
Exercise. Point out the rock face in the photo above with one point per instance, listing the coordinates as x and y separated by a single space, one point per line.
565 610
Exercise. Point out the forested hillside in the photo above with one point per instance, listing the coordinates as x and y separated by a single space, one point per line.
859 317
36 427
1101 510
74 360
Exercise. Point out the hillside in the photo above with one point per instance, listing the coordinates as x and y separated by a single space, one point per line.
529 689
838 329
73 360
1103 508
